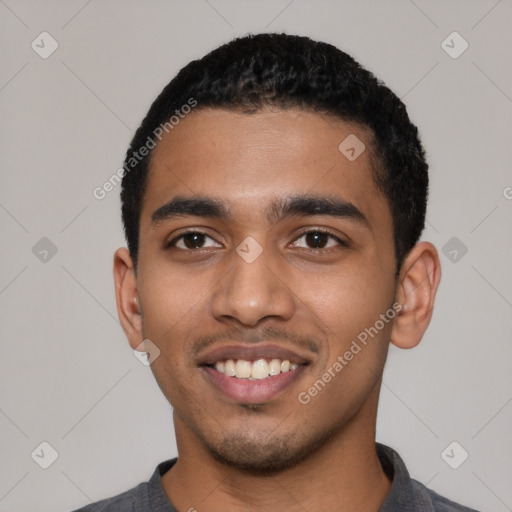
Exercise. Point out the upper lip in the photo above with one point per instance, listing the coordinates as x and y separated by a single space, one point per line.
251 353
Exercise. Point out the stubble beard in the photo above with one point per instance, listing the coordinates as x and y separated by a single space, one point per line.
267 454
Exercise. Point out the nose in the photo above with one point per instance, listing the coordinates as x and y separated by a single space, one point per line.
253 291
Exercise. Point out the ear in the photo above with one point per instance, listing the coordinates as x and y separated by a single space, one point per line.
128 307
417 286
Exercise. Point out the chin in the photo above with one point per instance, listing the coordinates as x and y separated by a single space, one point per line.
264 457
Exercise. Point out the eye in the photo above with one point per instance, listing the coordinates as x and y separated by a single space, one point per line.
192 240
318 240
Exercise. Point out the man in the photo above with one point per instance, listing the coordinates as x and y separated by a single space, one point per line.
272 199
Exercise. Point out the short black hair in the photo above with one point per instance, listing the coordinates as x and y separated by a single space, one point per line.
283 71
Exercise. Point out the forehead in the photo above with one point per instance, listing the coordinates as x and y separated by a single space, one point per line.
249 160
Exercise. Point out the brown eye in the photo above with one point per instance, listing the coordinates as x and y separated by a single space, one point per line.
192 240
317 239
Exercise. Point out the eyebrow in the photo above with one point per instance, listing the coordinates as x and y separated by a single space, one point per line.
281 208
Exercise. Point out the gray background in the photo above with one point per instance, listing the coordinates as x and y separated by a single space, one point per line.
68 376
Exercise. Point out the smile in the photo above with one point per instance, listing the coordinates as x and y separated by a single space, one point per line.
254 370
252 374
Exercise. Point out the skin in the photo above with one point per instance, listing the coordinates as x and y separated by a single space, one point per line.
312 299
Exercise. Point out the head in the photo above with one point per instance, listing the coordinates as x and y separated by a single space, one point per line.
306 186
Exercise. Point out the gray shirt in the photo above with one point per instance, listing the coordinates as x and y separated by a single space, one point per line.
406 494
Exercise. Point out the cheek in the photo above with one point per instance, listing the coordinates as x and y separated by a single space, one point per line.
173 307
349 307
170 299
347 302
349 310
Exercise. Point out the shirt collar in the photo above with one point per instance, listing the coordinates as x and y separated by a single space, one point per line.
403 495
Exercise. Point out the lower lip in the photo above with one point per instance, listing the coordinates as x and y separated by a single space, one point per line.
252 391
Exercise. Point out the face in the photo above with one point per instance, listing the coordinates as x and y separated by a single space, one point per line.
276 257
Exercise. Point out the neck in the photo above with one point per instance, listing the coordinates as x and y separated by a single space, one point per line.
344 475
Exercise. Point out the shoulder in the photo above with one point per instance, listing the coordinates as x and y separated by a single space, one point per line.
407 494
124 502
437 502
147 496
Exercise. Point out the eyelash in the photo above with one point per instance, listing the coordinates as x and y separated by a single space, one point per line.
325 232
309 231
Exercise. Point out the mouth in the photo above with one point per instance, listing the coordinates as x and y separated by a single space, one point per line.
253 375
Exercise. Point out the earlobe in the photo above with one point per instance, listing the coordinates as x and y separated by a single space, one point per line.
128 307
417 286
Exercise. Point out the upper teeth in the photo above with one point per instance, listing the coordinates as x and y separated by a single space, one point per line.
259 369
